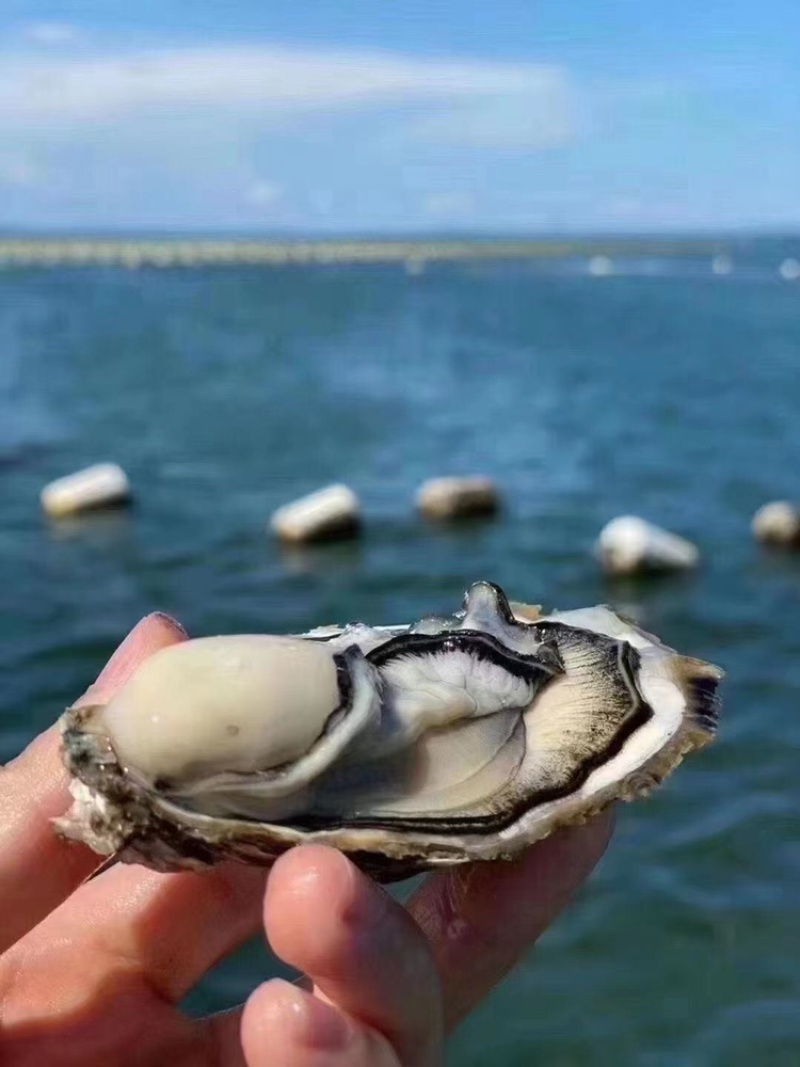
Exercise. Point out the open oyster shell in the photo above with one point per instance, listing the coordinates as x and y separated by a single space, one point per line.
456 738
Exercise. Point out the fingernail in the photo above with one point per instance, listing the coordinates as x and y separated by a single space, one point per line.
151 633
162 616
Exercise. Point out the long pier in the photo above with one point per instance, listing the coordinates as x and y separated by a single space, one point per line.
203 252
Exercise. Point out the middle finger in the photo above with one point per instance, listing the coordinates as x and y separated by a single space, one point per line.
358 946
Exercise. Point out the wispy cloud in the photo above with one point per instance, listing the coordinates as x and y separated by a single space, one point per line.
187 132
97 130
85 89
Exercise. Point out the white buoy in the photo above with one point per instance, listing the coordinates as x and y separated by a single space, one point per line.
601 266
100 486
722 264
457 498
332 512
630 545
777 523
789 270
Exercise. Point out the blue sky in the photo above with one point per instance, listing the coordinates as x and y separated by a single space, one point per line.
400 115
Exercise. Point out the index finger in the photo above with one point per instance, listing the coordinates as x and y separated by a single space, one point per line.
37 870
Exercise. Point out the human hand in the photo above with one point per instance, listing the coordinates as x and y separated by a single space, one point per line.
91 972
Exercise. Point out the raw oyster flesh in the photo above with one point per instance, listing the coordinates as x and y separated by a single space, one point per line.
457 738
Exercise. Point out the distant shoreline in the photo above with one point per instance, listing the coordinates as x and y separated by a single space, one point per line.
201 251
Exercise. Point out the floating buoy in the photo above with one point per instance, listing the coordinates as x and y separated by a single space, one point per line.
329 513
457 498
601 266
777 523
722 264
103 485
789 270
630 545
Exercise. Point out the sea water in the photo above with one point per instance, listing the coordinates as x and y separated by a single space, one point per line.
661 389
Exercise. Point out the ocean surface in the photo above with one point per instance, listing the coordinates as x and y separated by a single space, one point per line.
664 389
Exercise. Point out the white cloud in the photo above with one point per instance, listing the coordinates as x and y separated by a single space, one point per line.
233 134
85 89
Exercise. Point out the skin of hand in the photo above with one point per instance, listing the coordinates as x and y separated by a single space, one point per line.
91 972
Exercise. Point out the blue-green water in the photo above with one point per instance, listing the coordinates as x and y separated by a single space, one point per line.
664 390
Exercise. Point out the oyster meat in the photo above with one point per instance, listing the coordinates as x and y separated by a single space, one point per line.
456 738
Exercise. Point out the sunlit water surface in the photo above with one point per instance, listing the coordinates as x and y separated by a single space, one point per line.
663 390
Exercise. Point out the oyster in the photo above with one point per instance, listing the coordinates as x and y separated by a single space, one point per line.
457 738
